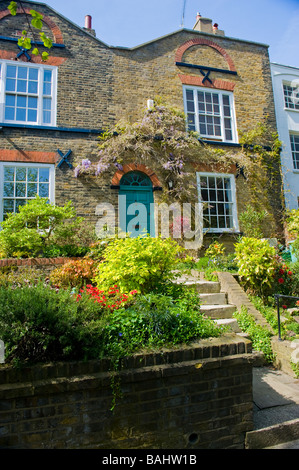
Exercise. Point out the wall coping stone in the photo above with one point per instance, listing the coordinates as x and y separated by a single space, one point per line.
66 376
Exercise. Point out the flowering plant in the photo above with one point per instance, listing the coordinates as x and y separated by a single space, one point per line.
215 250
283 278
110 299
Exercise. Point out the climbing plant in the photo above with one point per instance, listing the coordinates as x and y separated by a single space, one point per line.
35 22
159 140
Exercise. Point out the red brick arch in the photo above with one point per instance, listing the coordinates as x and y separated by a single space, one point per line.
204 42
135 167
58 39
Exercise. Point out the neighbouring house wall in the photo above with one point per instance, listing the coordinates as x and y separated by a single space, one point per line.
287 124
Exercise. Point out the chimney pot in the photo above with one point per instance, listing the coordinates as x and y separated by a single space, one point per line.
88 22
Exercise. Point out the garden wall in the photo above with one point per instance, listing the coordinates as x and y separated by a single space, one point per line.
199 397
44 264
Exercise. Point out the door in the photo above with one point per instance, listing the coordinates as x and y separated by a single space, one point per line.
135 204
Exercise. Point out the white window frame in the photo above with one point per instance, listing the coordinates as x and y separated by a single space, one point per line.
220 94
294 100
39 95
234 213
26 165
294 136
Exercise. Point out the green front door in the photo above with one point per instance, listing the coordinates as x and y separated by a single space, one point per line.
135 199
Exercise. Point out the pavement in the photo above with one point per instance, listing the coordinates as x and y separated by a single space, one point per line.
275 410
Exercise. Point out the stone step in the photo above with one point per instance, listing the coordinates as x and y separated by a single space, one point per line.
204 287
230 322
273 436
218 311
213 299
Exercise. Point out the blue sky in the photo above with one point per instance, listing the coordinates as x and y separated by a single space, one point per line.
130 23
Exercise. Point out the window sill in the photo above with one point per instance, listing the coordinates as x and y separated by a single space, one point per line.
220 142
52 128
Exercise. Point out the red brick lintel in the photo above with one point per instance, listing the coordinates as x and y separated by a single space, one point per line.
197 81
46 19
204 42
135 167
27 156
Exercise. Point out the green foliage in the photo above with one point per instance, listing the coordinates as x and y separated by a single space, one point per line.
36 22
256 264
140 263
158 320
215 250
42 228
74 273
251 221
38 323
293 228
260 336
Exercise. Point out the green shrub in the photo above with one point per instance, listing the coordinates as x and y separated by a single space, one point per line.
256 264
74 273
40 228
259 335
293 229
38 323
251 222
140 263
158 320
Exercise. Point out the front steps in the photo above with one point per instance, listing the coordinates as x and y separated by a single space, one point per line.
214 303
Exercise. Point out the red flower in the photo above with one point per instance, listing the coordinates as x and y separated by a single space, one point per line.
290 273
281 271
280 280
284 307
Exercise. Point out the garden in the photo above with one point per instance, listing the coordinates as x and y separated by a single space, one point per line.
116 296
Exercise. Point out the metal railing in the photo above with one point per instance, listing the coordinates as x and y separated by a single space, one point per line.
277 297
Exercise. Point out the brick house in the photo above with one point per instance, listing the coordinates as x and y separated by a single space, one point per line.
52 114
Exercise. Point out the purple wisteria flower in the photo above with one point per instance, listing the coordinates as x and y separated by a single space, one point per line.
86 164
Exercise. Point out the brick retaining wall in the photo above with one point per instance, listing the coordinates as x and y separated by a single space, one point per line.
44 264
199 397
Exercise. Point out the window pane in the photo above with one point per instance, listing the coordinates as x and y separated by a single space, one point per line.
9 114
21 86
10 84
20 189
8 190
11 71
32 87
44 190
32 174
33 74
32 115
22 72
9 174
21 114
20 174
32 190
44 175
8 206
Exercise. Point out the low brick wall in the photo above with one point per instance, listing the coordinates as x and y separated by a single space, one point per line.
44 264
198 397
